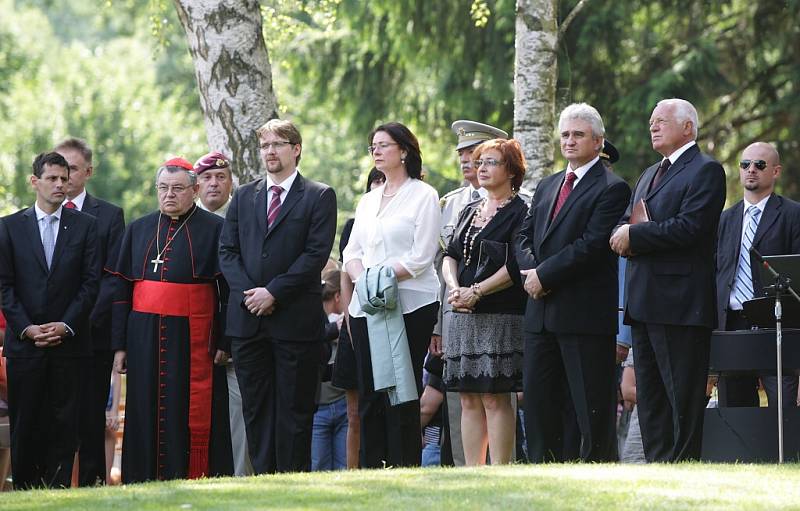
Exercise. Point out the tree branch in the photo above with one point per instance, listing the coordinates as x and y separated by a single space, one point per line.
571 16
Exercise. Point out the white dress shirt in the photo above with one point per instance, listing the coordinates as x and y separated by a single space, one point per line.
679 151
406 232
40 215
581 171
78 201
286 184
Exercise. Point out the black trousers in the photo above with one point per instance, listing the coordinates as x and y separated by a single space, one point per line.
278 381
742 390
390 435
95 385
43 409
560 368
671 365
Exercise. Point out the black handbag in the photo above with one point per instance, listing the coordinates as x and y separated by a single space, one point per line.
492 255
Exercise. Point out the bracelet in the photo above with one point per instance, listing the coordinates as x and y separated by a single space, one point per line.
476 288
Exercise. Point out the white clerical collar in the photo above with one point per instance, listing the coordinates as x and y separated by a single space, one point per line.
682 149
286 184
79 200
41 214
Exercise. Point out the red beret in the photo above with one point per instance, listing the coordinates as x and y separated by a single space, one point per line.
211 161
178 162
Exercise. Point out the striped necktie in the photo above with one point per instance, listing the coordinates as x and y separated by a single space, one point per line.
274 204
743 288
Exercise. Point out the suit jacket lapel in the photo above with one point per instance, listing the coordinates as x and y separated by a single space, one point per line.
771 212
642 192
497 221
260 205
90 205
292 198
66 221
549 199
581 188
32 231
735 242
675 168
459 231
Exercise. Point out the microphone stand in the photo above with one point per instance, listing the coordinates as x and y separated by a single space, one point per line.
781 285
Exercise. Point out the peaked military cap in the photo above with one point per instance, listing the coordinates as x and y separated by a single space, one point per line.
471 133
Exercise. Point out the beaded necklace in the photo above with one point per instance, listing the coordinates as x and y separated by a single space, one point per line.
469 241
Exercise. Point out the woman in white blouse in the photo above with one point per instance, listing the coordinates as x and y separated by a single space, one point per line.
396 224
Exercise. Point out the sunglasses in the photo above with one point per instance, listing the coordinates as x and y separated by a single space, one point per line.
745 164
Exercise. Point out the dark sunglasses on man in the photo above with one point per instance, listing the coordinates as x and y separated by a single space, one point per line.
760 164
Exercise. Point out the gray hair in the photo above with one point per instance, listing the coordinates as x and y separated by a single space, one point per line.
584 112
683 111
172 169
77 144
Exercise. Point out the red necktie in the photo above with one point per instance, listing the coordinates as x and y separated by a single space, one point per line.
274 204
566 189
70 205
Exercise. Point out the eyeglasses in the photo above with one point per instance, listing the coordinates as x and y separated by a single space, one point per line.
176 189
277 145
745 164
381 145
489 162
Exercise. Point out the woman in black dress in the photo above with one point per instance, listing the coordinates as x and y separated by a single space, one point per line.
483 356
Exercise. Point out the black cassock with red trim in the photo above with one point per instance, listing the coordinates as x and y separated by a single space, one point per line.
167 315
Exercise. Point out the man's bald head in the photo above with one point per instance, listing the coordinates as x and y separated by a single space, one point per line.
766 149
759 169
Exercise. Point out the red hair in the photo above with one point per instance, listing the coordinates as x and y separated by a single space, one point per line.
513 158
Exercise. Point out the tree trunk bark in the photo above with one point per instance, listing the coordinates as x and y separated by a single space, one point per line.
535 74
234 76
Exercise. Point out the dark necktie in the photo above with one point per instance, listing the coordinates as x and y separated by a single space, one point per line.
662 170
566 189
274 204
476 195
70 205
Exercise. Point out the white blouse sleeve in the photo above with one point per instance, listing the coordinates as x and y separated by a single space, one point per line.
426 234
355 245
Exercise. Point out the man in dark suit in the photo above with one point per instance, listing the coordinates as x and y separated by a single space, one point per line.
571 316
669 282
96 375
277 237
771 224
49 282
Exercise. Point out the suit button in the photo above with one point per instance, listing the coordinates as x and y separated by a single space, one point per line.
265 254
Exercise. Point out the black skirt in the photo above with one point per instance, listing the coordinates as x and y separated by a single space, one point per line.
345 374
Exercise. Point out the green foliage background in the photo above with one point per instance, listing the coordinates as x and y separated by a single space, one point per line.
117 72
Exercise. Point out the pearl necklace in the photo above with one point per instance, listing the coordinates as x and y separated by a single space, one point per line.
469 241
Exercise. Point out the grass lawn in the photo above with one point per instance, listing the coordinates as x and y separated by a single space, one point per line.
580 486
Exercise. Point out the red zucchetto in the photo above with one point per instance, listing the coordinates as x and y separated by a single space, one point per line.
178 162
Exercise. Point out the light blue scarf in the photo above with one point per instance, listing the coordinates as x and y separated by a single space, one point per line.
392 371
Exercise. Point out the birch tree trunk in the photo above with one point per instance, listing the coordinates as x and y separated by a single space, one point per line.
535 73
233 74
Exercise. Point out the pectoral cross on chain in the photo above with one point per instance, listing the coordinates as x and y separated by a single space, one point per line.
156 262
